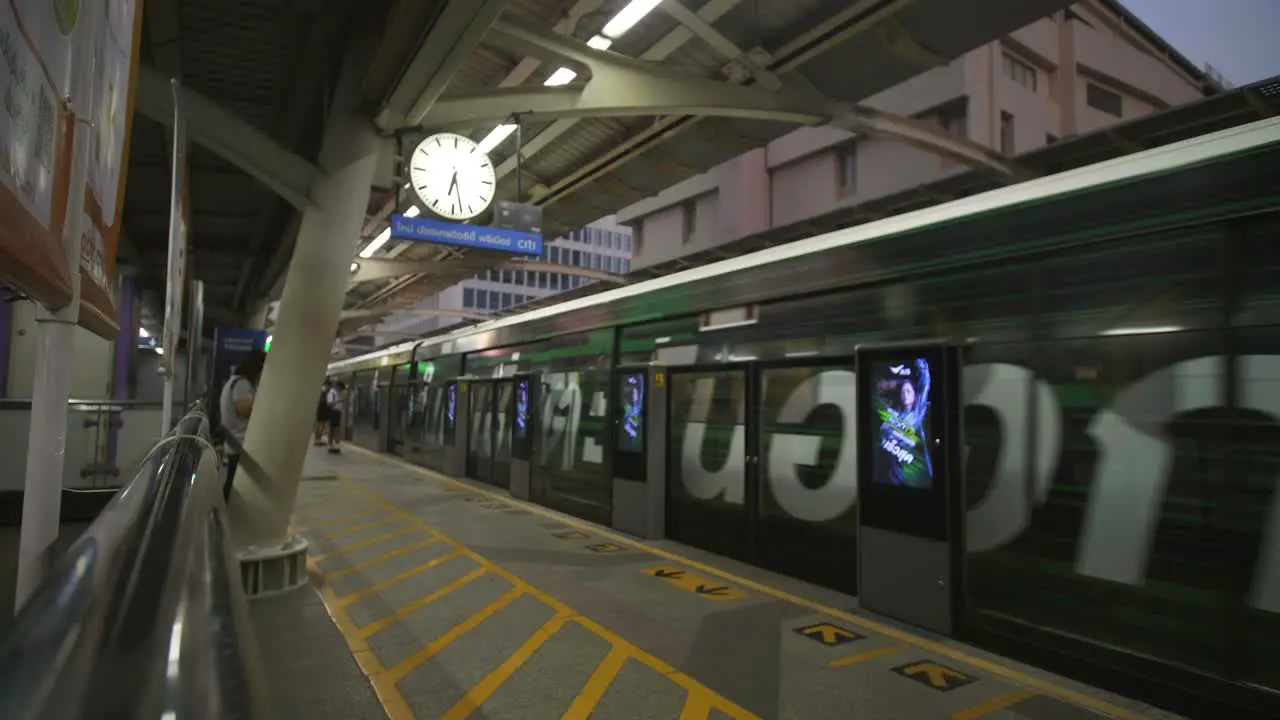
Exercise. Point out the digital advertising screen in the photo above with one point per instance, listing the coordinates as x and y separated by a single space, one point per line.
451 406
521 430
900 423
631 403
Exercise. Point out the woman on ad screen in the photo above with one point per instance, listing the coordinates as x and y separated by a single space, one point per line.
903 412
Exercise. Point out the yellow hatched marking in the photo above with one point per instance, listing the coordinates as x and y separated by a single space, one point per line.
476 696
389 620
1042 685
353 529
992 705
344 549
597 685
346 600
394 674
381 558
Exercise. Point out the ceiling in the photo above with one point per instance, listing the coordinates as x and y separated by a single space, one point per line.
273 63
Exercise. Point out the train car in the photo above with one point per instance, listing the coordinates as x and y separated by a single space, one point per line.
1118 326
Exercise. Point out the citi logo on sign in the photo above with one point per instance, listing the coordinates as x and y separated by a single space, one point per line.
527 243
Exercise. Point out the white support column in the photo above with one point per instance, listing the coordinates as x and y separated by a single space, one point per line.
283 413
51 389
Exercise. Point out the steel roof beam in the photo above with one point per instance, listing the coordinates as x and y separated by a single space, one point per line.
451 39
619 86
930 138
285 172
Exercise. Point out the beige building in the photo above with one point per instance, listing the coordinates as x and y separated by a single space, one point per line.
1074 72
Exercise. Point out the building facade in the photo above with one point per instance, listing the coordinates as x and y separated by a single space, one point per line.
603 246
1074 72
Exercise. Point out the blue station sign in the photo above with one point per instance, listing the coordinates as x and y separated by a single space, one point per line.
420 229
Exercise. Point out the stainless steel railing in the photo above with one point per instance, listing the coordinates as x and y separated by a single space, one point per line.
144 616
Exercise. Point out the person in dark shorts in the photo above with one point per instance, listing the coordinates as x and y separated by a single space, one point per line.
335 399
322 412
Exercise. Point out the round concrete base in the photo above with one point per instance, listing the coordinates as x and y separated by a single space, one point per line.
273 570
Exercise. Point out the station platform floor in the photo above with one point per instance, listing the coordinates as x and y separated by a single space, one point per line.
441 598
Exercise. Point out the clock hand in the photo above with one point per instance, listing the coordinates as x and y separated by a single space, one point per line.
453 184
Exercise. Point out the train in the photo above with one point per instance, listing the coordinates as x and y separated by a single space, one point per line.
1120 335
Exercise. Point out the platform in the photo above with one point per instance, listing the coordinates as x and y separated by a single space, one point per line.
454 600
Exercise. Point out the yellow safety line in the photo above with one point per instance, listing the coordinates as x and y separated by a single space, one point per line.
401 612
344 549
346 530
476 696
381 558
435 647
688 683
992 705
597 685
346 600
1046 687
327 519
868 655
696 707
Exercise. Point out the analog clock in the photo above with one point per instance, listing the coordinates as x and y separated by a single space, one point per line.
452 176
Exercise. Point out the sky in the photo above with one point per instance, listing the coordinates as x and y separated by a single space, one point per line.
1237 37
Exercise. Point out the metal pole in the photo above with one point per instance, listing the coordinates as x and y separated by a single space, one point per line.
47 433
195 341
519 152
177 257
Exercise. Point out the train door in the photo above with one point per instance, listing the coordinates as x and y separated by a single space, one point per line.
489 440
804 500
709 470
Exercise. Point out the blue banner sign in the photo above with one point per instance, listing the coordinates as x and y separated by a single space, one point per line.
229 347
473 236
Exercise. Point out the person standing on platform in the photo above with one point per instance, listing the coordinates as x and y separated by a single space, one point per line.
322 412
236 405
335 399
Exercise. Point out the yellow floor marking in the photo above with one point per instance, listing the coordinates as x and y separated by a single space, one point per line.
1041 685
435 647
594 689
344 549
992 705
688 683
346 600
696 707
400 612
868 655
318 520
476 696
374 561
353 529
700 586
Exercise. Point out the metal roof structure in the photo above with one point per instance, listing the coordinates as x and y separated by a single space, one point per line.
686 86
1230 109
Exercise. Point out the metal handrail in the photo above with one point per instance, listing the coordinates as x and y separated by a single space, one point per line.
144 616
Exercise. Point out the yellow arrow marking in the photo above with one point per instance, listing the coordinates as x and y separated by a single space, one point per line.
704 587
829 634
938 676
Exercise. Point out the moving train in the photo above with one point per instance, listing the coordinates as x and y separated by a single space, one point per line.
1120 327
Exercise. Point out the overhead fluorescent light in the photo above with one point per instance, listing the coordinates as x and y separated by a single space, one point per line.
599 42
355 266
377 243
142 333
159 350
661 340
413 211
802 353
627 17
742 358
495 137
563 76
1143 330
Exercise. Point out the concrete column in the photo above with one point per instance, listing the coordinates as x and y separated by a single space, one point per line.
6 339
284 411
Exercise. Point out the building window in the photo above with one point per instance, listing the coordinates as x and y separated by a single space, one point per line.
542 280
954 117
1104 100
506 300
482 299
847 169
626 243
468 297
690 212
555 281
575 258
1020 72
1006 133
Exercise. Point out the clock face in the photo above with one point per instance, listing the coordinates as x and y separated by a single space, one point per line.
452 176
